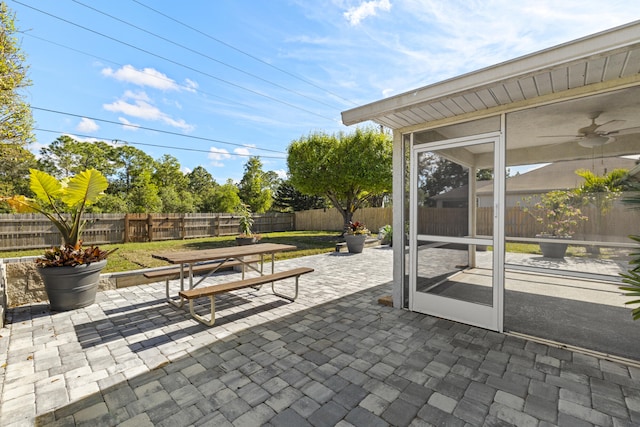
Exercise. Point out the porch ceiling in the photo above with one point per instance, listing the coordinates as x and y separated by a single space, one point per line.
600 58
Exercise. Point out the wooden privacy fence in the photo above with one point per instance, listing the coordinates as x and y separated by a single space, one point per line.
31 231
331 219
615 226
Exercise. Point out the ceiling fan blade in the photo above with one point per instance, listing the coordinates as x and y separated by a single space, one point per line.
609 126
560 136
626 131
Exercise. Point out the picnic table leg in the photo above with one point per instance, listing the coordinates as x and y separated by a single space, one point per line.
202 319
287 297
171 300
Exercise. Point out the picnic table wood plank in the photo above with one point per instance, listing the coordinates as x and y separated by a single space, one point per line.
191 257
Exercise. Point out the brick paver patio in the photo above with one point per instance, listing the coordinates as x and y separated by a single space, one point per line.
333 357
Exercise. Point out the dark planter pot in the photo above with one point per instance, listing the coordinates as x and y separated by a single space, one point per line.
355 242
69 288
554 250
242 241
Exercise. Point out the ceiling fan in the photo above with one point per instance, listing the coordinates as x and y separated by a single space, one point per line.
596 135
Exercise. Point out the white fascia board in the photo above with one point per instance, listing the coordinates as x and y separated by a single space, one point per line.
608 40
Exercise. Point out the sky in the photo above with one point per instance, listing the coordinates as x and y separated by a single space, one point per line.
211 82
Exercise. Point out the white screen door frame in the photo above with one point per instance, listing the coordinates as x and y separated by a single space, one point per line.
488 316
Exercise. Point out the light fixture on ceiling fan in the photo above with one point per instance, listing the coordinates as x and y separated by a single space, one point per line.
592 141
597 135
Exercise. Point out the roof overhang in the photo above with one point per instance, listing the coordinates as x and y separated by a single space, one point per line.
609 56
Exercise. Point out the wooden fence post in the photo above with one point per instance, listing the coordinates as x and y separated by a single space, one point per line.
150 227
126 228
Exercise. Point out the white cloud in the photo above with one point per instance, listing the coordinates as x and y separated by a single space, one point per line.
87 125
142 108
148 77
144 77
282 174
242 151
190 85
82 138
138 95
368 8
127 125
217 155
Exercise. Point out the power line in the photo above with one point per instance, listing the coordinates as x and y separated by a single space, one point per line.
170 147
255 58
231 101
175 62
200 138
203 54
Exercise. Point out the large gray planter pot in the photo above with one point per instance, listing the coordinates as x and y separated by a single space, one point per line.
69 288
355 242
243 241
554 250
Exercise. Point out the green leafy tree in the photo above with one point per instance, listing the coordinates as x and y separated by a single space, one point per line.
144 197
202 186
66 157
168 174
176 201
288 199
131 164
226 198
16 120
172 186
347 169
254 187
439 175
14 171
603 190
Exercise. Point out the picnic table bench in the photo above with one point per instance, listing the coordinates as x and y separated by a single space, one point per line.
254 282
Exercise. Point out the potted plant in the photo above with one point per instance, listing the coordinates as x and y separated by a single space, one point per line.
385 234
70 272
246 237
355 236
560 217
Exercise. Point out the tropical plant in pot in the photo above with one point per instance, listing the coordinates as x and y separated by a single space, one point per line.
355 236
70 272
385 234
246 237
558 213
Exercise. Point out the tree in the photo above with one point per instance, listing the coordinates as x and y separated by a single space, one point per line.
66 157
603 190
288 199
143 197
254 187
439 175
347 169
16 120
202 186
14 171
131 164
226 198
176 201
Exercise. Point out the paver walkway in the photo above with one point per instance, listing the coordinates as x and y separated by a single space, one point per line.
333 357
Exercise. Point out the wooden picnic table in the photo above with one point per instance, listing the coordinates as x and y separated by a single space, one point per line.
244 255
238 255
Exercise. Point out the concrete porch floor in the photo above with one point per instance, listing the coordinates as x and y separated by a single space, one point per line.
333 357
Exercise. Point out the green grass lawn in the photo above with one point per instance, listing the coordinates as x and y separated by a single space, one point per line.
134 256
